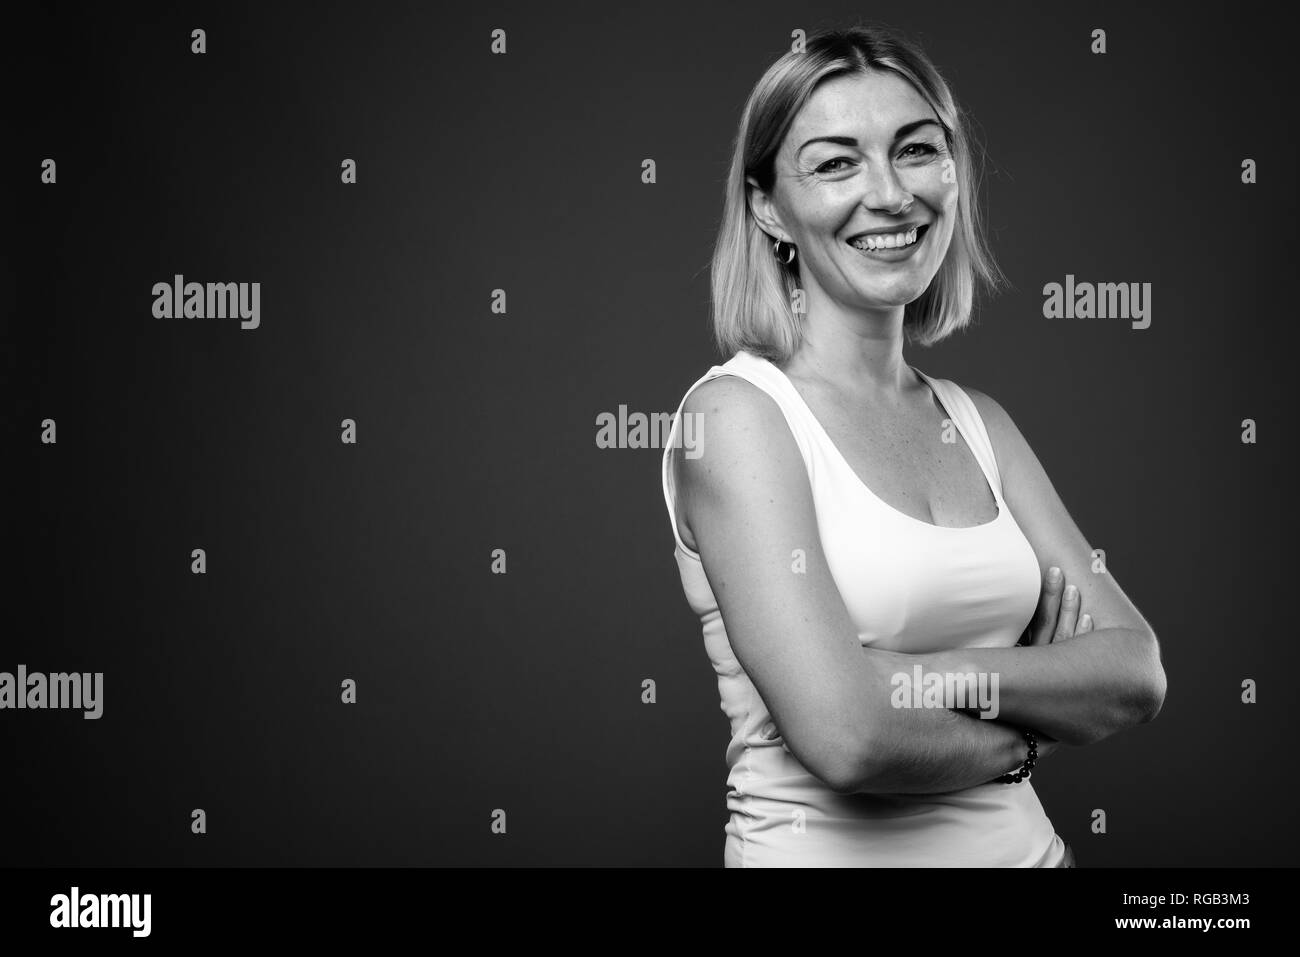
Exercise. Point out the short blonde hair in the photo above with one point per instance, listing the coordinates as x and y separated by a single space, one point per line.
752 292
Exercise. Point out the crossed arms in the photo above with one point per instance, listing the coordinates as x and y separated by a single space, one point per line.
748 505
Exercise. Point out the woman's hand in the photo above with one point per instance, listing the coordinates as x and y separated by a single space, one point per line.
1057 616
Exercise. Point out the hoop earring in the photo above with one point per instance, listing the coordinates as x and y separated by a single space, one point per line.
776 251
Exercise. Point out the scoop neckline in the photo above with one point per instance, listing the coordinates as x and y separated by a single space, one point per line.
844 463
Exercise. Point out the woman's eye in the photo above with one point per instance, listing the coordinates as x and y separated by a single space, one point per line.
923 149
910 151
825 167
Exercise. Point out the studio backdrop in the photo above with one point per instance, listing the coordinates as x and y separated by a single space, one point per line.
365 541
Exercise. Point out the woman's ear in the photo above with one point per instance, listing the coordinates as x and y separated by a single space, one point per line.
763 210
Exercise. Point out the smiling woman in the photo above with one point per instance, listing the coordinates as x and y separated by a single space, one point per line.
853 519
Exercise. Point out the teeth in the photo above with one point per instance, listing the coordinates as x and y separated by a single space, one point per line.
886 241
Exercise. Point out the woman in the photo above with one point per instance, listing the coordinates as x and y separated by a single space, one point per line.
853 532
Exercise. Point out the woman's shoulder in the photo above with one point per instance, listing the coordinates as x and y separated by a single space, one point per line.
996 418
733 405
1009 445
741 388
742 421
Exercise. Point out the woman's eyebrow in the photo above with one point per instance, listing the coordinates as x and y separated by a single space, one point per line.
902 131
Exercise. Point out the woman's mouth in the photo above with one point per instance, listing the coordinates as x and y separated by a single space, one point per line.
890 247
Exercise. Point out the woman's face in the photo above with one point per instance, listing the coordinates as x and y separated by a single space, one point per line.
887 171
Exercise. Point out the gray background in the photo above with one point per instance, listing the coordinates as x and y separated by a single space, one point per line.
522 172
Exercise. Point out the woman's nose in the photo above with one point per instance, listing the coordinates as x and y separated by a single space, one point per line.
884 192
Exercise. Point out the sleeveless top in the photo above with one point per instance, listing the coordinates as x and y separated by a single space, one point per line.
911 587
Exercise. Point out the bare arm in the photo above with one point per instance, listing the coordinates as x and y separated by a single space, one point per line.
748 506
931 748
1078 692
1085 689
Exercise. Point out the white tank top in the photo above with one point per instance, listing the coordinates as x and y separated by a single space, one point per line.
909 586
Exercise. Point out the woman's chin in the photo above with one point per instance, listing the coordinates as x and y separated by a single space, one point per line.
893 294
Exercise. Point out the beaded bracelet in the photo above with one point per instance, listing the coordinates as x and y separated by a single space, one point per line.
1022 773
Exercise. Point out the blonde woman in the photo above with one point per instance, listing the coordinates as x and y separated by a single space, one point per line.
857 534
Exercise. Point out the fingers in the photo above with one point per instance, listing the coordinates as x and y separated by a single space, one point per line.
1049 602
1068 619
1057 616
